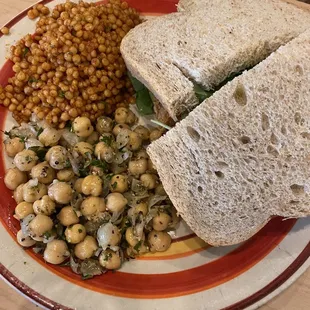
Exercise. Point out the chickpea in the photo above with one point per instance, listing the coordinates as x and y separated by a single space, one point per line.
93 138
108 235
104 152
13 146
86 248
18 194
45 10
104 124
67 216
161 221
49 136
131 237
142 154
75 234
137 167
149 180
43 172
13 178
33 191
119 183
5 30
141 208
57 156
137 250
24 241
65 175
92 185
82 126
44 206
125 116
131 118
159 241
121 115
116 202
143 132
40 225
23 209
118 128
84 148
60 192
56 252
78 185
156 134
134 142
110 260
92 206
25 160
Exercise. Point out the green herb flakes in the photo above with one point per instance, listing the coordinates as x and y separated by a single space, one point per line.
86 276
137 246
107 140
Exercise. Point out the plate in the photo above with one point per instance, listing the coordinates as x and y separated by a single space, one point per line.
191 275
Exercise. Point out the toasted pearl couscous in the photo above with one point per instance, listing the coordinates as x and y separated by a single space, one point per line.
72 65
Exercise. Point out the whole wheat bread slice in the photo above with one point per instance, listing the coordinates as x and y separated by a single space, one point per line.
243 155
207 45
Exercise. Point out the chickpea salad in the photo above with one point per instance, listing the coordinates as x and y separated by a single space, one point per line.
88 195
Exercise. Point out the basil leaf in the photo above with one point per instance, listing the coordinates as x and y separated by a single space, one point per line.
144 102
137 85
202 94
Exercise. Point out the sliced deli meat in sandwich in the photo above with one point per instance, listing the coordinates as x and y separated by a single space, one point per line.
243 155
177 55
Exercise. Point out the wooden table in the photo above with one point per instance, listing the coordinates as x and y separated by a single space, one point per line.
297 297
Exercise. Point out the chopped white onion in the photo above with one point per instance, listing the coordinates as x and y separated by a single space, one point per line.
74 265
33 182
138 229
25 131
32 142
49 239
116 217
138 188
74 164
153 200
122 138
24 224
104 234
70 137
120 157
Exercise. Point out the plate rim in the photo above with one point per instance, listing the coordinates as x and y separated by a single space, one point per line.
262 296
275 287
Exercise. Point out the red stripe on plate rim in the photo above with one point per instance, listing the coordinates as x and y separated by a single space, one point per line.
240 305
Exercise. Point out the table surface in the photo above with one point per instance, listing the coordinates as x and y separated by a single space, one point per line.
297 297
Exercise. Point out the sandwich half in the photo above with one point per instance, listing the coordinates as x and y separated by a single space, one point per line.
206 43
243 155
